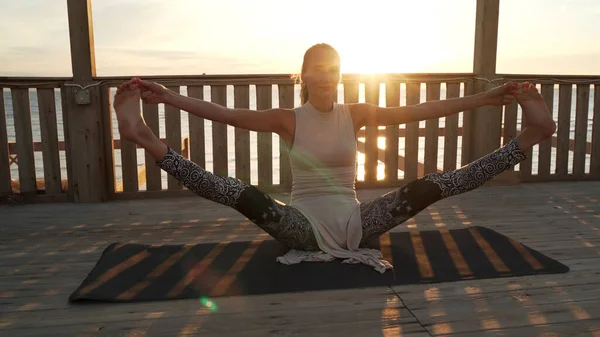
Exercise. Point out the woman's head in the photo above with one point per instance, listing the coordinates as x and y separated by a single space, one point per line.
320 73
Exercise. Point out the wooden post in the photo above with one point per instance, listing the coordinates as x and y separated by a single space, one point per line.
486 122
83 113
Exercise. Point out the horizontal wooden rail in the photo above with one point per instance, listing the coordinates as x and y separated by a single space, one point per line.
38 146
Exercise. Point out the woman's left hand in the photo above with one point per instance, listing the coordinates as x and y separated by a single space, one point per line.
501 95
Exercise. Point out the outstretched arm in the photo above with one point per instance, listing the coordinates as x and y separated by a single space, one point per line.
367 114
269 120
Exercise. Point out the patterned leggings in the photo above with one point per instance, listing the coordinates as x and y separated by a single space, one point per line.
287 225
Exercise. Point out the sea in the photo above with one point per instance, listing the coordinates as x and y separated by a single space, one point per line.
38 156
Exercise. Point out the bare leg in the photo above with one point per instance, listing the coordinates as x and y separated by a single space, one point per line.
132 126
539 123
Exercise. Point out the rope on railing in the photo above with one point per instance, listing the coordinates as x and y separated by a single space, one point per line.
433 79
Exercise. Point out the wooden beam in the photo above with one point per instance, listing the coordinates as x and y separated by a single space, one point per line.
86 125
487 120
486 37
5 161
81 33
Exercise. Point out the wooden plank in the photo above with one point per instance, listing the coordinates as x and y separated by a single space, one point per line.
563 130
413 97
24 137
129 166
371 133
581 125
431 131
5 185
286 100
276 79
468 129
510 124
545 147
242 136
264 100
525 167
350 92
197 141
595 151
107 131
296 314
49 136
451 131
219 134
173 134
392 97
107 146
153 171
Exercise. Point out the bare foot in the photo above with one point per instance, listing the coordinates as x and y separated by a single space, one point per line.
535 111
129 114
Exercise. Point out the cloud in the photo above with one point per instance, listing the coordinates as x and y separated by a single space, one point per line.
121 61
567 64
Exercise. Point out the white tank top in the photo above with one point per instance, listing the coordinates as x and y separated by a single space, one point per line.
323 163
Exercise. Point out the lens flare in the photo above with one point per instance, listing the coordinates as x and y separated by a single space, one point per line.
208 303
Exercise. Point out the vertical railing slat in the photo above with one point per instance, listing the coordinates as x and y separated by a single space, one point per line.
545 147
431 132
49 135
241 99
581 123
392 97
351 92
286 100
108 138
24 139
595 160
413 96
219 133
129 166
107 107
451 131
564 128
510 124
153 172
173 134
467 128
264 100
371 135
5 185
197 141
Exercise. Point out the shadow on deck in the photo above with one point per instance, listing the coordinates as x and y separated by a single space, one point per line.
48 249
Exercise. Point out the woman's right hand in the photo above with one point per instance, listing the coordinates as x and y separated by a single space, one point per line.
151 92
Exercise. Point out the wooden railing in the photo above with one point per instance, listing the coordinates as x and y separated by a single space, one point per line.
573 153
38 164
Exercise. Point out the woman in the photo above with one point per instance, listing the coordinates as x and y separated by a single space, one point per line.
324 219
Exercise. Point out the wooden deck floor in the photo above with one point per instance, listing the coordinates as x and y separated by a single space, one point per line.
47 250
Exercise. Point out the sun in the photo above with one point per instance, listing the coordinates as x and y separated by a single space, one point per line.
381 59
384 38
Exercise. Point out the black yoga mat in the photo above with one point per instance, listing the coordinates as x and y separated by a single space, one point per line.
135 272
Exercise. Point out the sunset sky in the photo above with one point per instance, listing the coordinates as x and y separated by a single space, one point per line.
153 37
